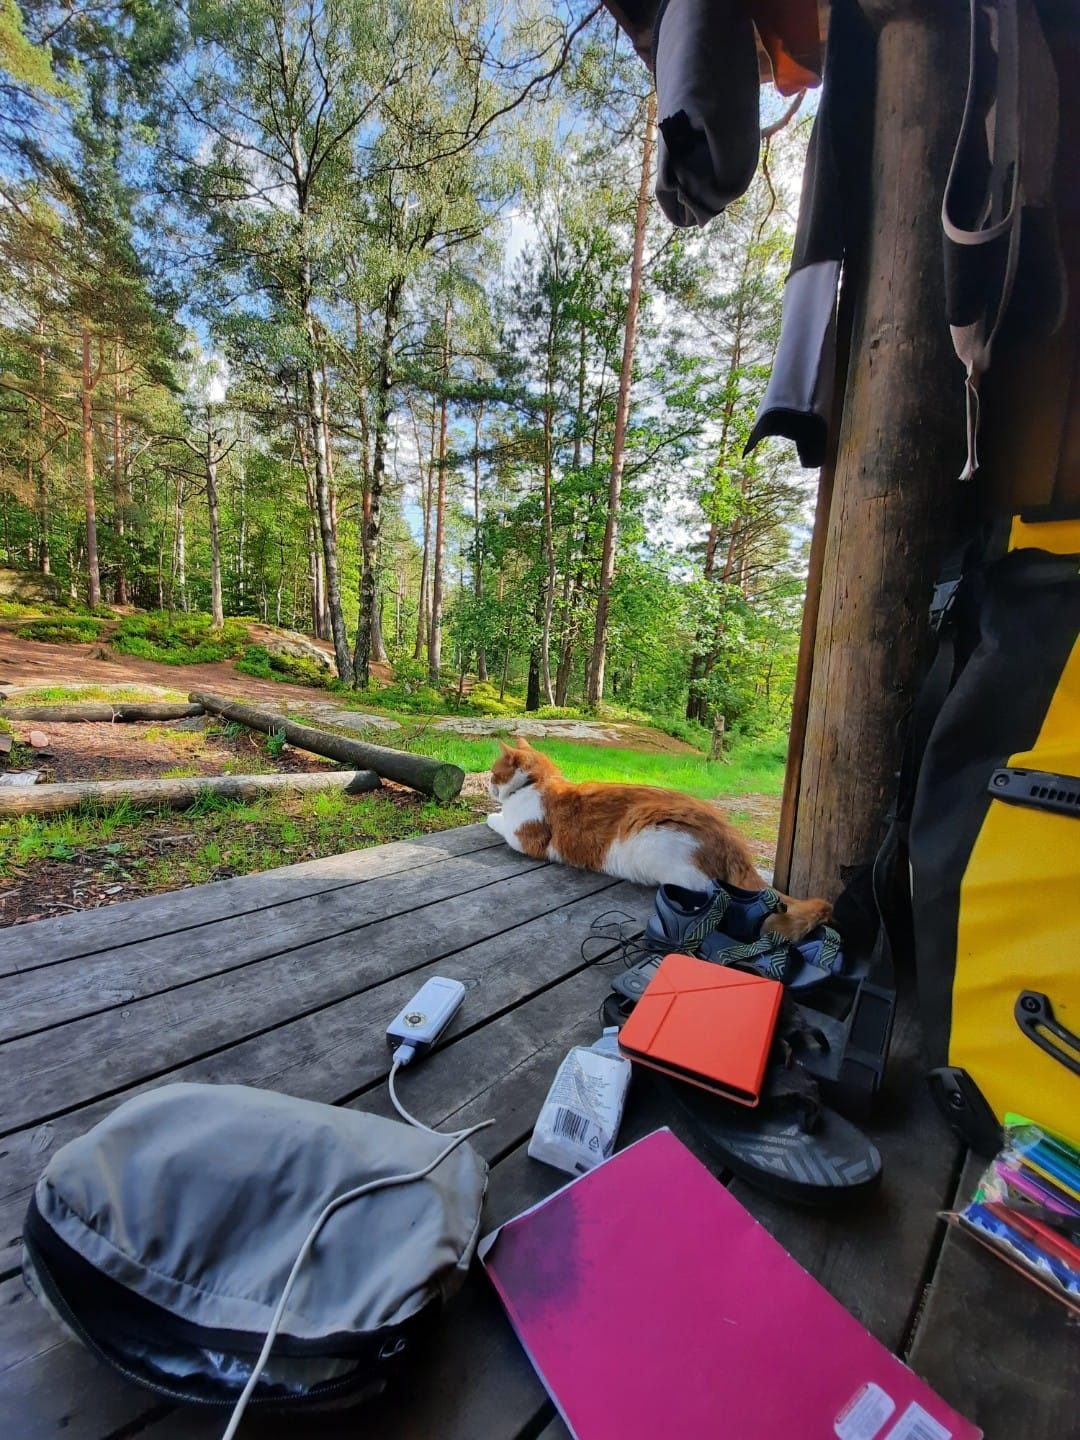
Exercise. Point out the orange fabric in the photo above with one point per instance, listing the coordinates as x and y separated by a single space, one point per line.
790 35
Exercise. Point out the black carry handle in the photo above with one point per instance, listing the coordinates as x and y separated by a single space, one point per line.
862 1070
1035 1016
1040 789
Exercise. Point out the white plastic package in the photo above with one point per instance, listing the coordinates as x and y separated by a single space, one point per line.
579 1121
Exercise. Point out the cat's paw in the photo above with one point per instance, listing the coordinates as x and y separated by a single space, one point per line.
798 918
495 822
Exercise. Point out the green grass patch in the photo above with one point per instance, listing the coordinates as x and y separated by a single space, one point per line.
754 766
189 740
215 835
177 639
79 694
62 630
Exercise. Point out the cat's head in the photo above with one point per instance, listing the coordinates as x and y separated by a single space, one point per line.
517 766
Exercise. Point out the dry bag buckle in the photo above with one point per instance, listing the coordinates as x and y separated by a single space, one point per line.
942 602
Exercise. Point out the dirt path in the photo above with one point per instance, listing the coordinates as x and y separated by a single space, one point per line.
33 662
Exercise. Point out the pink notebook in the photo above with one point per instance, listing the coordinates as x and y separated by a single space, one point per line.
652 1304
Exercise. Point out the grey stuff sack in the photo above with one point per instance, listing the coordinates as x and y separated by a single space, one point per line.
164 1236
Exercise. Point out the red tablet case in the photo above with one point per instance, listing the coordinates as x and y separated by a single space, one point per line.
653 1305
707 1024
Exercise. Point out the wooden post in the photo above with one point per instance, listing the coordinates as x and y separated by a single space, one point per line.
716 749
900 448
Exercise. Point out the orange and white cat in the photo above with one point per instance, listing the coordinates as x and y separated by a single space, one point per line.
636 832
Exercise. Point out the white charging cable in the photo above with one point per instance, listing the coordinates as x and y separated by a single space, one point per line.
456 1138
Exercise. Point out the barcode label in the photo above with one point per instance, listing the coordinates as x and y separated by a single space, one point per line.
865 1415
572 1125
917 1424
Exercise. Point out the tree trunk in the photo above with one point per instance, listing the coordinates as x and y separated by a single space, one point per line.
98 714
217 609
313 386
420 772
119 497
622 413
901 442
478 548
181 545
422 611
549 553
241 541
435 637
179 793
86 397
43 460
378 647
373 521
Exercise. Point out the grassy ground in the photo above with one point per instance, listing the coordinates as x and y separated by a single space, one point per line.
52 865
87 694
753 766
94 858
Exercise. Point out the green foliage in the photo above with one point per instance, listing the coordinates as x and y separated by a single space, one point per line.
255 660
275 742
483 699
63 630
409 691
298 670
292 669
358 286
177 639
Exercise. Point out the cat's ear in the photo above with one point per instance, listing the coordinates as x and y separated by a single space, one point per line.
523 744
506 749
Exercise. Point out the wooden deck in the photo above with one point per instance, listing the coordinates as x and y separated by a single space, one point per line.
288 980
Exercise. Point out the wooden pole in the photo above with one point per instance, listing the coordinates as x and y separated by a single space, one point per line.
419 772
68 714
900 447
716 749
177 794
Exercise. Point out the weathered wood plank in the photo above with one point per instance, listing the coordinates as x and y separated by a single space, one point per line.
993 1345
46 942
556 1430
71 1065
340 1051
873 1261
57 994
475 1382
500 1069
46 1380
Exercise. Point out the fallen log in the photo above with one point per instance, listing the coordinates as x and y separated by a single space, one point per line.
66 714
178 794
419 772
